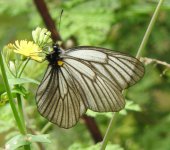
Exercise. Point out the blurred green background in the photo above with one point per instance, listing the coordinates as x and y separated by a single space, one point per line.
114 24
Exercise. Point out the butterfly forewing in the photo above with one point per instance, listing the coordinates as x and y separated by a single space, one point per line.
121 69
90 78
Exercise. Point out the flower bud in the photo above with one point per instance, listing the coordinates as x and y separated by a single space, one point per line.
42 37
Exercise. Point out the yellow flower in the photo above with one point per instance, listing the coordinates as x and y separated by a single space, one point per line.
28 49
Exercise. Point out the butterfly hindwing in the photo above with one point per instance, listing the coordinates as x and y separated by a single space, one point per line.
58 99
98 94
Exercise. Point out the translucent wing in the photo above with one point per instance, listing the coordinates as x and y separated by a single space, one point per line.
120 69
58 98
90 78
102 74
96 92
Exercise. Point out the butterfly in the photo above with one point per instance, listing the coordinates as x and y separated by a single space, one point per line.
82 78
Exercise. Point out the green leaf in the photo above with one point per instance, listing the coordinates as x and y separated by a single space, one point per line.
20 90
95 114
79 146
21 140
39 138
130 105
16 142
14 81
123 112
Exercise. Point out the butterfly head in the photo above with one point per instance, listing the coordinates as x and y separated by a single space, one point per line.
56 48
54 58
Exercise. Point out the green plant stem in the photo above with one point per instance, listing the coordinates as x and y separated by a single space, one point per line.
23 67
149 29
14 110
108 132
141 48
20 109
27 147
12 104
46 127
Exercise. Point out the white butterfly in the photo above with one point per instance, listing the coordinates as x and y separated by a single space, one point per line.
84 78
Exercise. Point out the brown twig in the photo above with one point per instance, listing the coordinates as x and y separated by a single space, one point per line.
43 10
147 60
93 128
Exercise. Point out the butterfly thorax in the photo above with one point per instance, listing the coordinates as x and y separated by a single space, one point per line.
54 58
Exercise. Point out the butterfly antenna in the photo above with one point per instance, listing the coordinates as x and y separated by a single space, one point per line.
60 20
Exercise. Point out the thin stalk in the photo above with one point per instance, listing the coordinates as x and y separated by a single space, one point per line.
10 70
23 67
46 127
108 132
27 147
12 104
20 109
149 29
141 48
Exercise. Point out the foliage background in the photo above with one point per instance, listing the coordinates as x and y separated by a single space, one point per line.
118 25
